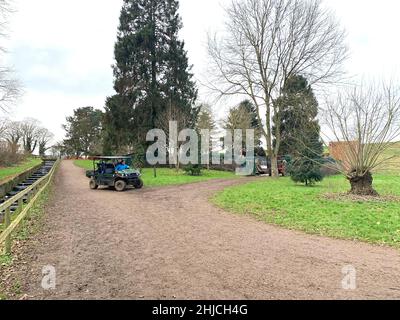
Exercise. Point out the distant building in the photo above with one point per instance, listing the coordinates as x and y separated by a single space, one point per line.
343 150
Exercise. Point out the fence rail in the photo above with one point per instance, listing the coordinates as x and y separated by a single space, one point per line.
30 195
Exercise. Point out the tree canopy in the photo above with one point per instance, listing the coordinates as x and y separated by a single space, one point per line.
151 69
84 132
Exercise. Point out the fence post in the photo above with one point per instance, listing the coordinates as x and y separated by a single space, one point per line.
20 204
7 222
28 196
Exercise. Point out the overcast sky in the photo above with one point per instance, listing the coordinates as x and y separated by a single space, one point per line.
62 50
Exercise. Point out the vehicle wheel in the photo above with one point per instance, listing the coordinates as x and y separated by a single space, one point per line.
93 185
120 185
139 184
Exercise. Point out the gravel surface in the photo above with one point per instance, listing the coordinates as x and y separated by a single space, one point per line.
171 243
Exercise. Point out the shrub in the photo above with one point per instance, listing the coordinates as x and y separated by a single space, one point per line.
193 169
305 170
9 158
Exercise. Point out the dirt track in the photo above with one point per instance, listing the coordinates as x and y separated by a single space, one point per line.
171 243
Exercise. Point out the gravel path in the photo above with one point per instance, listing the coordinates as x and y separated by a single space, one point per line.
171 243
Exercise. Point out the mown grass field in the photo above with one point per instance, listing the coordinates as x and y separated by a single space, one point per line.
393 165
167 177
283 203
9 172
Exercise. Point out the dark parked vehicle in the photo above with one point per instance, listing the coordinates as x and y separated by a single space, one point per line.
105 173
263 166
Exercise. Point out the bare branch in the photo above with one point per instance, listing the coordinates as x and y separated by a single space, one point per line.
9 86
268 41
365 122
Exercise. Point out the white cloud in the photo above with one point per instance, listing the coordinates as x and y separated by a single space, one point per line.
372 29
52 108
62 52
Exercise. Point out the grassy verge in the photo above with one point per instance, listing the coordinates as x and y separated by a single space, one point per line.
167 177
30 226
283 203
9 172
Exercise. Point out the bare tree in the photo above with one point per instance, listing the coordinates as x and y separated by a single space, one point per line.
206 121
30 129
3 141
5 9
268 41
44 137
9 89
58 150
3 127
13 135
237 118
9 86
184 120
363 123
206 118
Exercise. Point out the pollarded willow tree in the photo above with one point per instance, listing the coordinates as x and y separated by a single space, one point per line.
365 122
266 42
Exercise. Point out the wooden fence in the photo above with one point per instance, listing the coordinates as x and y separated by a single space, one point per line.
31 194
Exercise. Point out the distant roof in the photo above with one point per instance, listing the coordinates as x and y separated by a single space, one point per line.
111 157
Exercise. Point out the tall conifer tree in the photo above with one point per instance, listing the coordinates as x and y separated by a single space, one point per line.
151 67
300 130
298 116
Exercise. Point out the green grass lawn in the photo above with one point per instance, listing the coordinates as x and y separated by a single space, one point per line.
283 203
9 172
167 177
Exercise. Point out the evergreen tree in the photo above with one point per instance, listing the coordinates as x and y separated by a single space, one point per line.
83 131
152 69
306 166
244 117
299 109
117 124
177 84
254 122
205 119
300 130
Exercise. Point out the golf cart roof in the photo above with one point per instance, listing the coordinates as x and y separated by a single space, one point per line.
111 158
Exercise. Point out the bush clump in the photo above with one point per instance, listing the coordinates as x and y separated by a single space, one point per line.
193 170
305 170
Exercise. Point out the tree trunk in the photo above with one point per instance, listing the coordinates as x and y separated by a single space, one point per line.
177 165
274 167
362 185
14 148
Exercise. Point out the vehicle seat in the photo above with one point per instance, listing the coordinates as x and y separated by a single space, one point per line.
110 169
101 168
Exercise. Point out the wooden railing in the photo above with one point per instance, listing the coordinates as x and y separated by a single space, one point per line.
31 194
